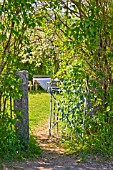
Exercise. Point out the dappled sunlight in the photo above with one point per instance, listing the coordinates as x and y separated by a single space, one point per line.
54 157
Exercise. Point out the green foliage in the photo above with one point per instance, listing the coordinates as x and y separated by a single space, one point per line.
15 19
77 45
13 149
91 129
38 115
87 40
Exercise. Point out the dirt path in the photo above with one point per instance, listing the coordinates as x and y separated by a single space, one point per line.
54 157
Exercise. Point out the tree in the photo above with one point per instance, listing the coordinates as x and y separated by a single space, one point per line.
87 38
15 19
44 54
87 27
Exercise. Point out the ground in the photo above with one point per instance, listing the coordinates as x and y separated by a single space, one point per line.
54 157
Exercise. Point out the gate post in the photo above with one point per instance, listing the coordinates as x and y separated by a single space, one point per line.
22 124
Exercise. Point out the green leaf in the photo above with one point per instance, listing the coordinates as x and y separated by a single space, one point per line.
3 37
15 32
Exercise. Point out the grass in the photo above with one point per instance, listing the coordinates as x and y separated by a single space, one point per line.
39 108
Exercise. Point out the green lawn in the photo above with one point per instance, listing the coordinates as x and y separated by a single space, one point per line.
39 108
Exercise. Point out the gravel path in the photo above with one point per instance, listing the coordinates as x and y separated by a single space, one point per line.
54 158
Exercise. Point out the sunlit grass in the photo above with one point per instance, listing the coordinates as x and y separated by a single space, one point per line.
39 108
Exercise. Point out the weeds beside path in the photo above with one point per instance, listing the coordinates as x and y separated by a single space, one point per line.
53 157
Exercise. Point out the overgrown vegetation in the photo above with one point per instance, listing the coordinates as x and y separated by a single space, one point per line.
15 19
87 56
90 130
38 115
14 150
78 44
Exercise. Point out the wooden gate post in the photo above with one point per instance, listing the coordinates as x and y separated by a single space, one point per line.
22 124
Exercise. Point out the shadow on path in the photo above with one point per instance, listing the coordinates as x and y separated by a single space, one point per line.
54 158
